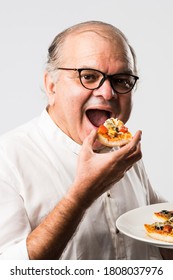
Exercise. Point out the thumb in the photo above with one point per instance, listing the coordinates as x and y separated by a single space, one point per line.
90 139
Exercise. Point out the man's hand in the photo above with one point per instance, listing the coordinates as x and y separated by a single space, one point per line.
96 172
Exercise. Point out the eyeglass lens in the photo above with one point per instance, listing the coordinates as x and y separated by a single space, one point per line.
92 79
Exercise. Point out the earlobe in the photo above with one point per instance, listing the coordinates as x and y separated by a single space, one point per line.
50 88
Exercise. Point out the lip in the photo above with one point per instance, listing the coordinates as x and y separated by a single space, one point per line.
102 108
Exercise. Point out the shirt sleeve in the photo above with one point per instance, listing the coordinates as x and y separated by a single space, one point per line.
15 252
14 223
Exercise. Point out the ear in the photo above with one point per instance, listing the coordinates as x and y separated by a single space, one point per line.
50 88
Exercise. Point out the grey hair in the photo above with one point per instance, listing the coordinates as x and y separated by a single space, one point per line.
55 54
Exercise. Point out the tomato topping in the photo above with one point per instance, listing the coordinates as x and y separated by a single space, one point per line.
167 228
102 129
123 129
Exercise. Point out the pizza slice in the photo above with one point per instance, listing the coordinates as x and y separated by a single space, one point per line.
163 215
162 231
113 133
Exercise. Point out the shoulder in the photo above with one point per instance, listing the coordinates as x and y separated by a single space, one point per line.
21 135
19 131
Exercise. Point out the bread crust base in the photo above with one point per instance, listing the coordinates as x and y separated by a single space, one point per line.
158 234
112 142
159 216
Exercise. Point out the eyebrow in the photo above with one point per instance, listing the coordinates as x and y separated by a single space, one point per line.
122 71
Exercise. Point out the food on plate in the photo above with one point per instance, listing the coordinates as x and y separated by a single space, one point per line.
163 215
162 229
113 133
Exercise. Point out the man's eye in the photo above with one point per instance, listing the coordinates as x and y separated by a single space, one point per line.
123 82
120 81
89 77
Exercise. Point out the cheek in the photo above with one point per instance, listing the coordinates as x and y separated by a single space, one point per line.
125 107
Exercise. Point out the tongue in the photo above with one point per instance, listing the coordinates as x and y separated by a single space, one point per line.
97 117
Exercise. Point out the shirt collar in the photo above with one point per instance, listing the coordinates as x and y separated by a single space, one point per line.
55 134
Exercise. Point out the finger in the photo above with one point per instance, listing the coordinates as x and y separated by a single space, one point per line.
137 136
131 147
90 139
134 157
135 141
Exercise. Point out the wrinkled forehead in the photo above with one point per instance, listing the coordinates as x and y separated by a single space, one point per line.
90 44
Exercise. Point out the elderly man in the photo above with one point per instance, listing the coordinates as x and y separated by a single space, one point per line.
61 191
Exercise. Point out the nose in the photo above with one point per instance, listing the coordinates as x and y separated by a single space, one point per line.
105 90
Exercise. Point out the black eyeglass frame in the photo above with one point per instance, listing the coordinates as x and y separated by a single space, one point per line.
105 77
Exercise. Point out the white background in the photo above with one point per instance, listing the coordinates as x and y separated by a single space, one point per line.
28 27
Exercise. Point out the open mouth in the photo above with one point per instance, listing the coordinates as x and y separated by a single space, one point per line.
97 117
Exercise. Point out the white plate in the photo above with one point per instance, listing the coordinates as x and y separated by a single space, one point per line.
132 223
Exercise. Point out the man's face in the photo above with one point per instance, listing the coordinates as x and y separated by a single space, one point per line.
77 110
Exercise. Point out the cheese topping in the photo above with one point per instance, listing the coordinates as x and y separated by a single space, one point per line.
113 126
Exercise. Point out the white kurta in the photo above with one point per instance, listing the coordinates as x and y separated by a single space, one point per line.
37 166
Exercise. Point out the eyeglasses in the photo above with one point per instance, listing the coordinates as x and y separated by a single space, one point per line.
93 79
